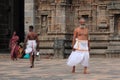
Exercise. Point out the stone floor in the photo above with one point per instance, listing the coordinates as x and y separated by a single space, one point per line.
56 69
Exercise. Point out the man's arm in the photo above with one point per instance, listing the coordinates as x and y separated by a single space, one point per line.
25 41
74 37
88 40
37 40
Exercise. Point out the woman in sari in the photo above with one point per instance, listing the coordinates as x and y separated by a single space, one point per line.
14 46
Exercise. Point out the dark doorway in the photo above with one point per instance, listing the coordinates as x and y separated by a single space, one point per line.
69 1
11 19
19 18
117 24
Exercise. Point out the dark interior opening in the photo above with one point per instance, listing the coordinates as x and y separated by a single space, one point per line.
19 18
11 19
116 23
69 1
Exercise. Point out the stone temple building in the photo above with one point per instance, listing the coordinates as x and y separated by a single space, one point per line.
55 20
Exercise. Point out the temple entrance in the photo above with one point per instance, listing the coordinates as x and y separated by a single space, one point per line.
11 19
117 23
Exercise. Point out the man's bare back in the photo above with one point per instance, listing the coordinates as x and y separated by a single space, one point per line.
32 36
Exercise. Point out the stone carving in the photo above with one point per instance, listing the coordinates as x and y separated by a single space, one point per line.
118 25
44 21
58 44
60 20
58 48
113 5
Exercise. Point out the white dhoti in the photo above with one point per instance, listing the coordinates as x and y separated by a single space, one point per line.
31 46
80 55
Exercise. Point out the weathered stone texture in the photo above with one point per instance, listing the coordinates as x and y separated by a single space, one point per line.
29 14
56 19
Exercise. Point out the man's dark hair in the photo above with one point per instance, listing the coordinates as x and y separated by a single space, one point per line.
31 27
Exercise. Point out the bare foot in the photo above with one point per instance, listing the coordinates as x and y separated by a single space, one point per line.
32 66
73 71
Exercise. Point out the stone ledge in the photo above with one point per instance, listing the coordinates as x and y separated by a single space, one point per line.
99 51
113 53
99 33
4 55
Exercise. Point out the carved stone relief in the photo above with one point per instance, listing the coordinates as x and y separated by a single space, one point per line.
117 23
43 21
102 19
44 24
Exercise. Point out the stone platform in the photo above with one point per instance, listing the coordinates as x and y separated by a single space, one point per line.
56 69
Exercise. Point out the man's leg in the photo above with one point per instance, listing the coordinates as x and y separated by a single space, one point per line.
31 60
85 70
86 63
73 69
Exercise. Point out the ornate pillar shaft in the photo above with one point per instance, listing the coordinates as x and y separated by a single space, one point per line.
111 25
29 14
94 15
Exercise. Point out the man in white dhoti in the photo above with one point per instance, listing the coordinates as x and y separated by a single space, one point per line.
80 45
31 43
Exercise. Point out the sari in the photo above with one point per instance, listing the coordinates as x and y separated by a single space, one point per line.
14 46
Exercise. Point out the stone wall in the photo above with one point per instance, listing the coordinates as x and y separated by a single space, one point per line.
29 14
56 20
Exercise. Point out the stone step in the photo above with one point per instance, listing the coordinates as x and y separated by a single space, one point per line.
4 26
97 45
4 55
97 51
114 48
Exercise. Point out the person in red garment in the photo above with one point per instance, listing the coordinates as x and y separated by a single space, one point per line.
32 44
13 45
80 45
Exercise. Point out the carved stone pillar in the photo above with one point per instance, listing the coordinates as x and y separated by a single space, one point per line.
59 48
94 15
29 14
111 25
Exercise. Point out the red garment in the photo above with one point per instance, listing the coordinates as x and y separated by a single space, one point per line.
14 46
